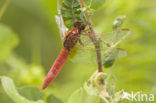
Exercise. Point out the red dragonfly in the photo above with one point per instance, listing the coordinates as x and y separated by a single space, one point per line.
69 42
84 51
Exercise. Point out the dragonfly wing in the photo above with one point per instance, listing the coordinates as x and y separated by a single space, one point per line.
122 53
86 52
88 55
120 36
115 37
60 23
110 55
82 55
83 52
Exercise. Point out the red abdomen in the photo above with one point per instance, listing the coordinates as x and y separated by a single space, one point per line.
56 67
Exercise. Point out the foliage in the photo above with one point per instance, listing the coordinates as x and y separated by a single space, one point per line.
32 23
80 96
27 94
8 40
71 12
96 85
52 99
12 92
31 93
94 4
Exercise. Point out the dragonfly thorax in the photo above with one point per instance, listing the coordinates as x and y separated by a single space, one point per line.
73 35
71 38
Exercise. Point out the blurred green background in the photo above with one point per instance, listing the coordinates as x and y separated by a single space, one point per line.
33 42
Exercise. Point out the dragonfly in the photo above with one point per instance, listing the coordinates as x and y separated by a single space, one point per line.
80 49
84 51
69 42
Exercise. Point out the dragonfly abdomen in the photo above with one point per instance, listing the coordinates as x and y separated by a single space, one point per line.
69 42
56 67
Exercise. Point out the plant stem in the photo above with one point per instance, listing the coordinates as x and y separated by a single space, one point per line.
93 38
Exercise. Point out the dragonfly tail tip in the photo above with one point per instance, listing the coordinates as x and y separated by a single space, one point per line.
43 88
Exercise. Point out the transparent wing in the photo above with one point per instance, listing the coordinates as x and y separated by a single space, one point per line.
114 38
111 39
60 23
87 52
113 53
110 55
79 55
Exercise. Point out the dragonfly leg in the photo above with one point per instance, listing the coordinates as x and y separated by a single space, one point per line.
86 32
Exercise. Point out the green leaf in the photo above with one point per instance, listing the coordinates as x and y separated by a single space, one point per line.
110 56
71 3
8 40
52 99
94 4
111 84
80 96
31 93
71 12
76 96
10 89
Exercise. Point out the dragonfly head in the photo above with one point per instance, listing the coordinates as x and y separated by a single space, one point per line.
80 25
